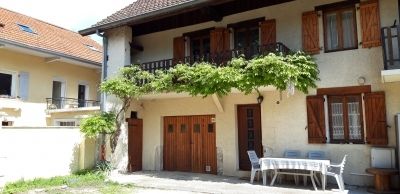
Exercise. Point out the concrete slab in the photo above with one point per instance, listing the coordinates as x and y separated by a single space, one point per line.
181 182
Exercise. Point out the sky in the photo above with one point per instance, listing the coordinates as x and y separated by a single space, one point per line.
70 14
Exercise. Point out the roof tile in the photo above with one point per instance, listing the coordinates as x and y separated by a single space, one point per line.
47 36
140 7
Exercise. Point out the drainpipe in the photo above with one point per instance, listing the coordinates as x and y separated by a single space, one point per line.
102 151
103 67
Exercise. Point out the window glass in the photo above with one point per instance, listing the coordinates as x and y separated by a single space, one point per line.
337 119
340 29
348 30
200 47
345 119
354 116
240 38
332 33
5 84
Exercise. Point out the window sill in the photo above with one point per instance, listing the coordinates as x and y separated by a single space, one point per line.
338 50
358 143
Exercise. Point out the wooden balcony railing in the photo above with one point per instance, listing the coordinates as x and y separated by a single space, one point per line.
67 103
219 59
391 47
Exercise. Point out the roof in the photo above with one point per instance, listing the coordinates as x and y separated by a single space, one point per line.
140 7
143 8
38 35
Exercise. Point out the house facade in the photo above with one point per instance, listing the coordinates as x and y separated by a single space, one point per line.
48 75
351 110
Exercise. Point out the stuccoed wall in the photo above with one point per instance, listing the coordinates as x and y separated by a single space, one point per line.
43 152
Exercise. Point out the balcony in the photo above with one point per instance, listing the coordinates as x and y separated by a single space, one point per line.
391 53
71 104
220 59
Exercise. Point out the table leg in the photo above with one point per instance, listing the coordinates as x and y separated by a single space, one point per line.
312 179
275 175
264 174
323 180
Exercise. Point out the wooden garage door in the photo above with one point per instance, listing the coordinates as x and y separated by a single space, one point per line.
189 144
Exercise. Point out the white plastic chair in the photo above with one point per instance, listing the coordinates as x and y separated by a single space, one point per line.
336 170
292 154
315 155
255 165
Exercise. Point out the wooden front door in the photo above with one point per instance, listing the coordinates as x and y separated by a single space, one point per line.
189 144
249 133
135 144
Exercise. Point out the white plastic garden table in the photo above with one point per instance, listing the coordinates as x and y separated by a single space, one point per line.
310 165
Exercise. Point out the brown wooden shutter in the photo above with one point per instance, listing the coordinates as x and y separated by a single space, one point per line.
375 118
370 24
316 119
268 32
179 49
310 32
219 40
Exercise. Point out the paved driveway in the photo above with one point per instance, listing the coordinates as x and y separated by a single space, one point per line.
180 182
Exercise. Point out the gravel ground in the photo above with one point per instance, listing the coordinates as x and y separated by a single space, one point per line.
148 182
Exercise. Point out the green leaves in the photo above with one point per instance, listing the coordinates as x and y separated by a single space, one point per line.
203 79
129 83
103 123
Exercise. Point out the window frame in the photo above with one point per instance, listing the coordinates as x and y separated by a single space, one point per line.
200 38
57 122
346 127
14 76
338 12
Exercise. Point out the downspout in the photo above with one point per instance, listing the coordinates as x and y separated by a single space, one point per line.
103 67
103 98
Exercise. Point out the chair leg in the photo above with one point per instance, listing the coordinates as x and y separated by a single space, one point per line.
316 179
253 174
305 180
339 183
296 179
258 176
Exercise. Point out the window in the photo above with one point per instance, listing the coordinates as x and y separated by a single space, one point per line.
199 44
247 36
345 119
58 93
8 80
340 29
66 123
5 84
200 47
82 95
26 28
6 123
352 114
92 48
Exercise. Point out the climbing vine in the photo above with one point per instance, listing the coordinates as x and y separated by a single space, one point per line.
293 71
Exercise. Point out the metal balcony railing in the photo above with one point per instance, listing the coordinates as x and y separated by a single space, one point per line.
220 59
391 47
68 103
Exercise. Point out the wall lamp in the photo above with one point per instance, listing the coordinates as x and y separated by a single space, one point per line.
260 97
